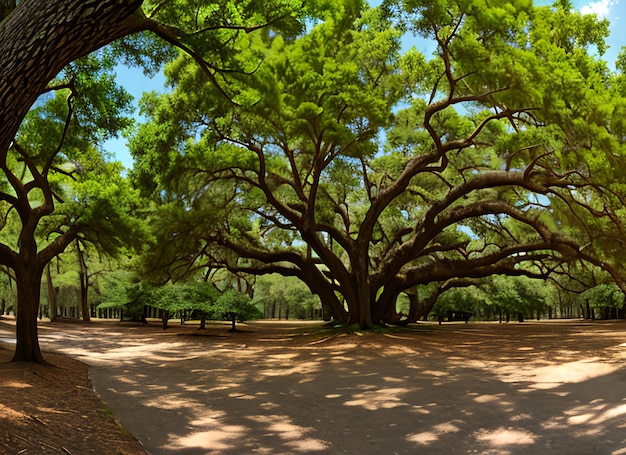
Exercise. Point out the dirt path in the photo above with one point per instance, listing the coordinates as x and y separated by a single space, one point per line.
549 388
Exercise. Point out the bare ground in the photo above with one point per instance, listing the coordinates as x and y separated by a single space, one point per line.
54 410
549 387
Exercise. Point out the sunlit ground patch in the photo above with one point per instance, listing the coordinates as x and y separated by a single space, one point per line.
488 398
16 385
548 377
429 437
221 438
7 412
594 413
295 436
309 445
378 399
502 437
217 436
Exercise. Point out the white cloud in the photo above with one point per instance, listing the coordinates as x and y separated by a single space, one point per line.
600 8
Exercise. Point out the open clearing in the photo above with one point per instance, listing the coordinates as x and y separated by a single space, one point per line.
289 388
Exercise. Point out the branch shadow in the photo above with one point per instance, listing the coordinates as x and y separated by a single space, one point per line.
550 389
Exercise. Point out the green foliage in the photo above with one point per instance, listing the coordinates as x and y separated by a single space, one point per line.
365 172
7 291
198 297
175 298
285 297
604 296
56 155
189 299
467 300
233 305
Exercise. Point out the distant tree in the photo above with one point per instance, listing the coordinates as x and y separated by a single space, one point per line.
286 297
130 298
607 299
190 299
235 307
7 292
459 303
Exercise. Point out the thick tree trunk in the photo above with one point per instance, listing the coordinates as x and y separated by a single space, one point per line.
332 306
360 307
28 294
383 306
41 37
361 300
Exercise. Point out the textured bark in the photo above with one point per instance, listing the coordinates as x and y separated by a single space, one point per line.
359 296
41 37
28 294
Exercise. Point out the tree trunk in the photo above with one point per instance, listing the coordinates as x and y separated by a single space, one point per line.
357 291
384 309
52 296
83 278
360 308
28 294
414 309
420 309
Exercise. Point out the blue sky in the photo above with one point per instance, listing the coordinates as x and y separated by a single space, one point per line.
615 10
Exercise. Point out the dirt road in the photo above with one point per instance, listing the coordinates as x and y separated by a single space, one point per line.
548 388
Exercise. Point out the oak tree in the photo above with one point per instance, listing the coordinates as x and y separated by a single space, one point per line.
366 172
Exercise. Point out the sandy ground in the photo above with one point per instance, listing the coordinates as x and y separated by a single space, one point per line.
533 388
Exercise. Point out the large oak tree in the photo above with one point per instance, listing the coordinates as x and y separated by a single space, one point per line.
486 155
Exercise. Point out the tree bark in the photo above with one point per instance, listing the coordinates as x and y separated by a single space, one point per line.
28 294
360 303
165 317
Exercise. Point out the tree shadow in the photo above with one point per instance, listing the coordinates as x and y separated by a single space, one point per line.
488 389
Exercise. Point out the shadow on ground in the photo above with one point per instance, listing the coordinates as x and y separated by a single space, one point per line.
549 388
